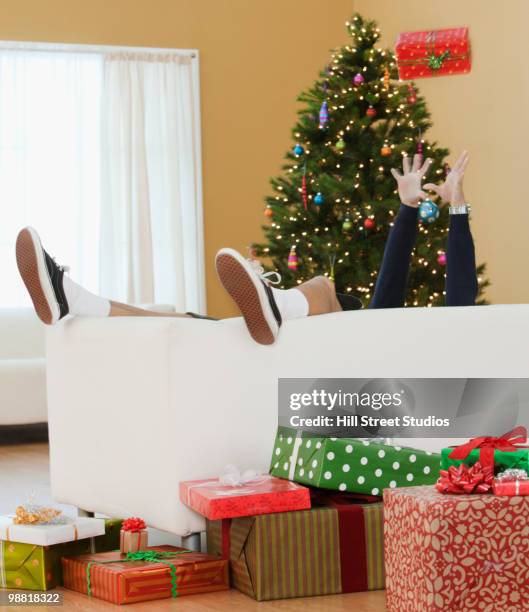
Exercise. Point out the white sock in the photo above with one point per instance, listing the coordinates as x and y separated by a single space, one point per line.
292 303
83 303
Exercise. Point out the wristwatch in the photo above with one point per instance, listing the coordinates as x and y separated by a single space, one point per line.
462 209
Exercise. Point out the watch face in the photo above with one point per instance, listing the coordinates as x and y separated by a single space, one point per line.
462 209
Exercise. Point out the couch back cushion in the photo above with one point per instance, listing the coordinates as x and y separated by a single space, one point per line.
22 335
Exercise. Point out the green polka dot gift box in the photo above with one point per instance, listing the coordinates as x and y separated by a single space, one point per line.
350 464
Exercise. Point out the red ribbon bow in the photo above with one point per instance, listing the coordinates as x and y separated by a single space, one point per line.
488 444
464 480
133 524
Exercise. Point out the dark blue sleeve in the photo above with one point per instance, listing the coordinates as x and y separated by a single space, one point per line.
461 277
390 289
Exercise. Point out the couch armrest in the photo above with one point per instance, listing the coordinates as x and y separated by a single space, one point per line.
138 404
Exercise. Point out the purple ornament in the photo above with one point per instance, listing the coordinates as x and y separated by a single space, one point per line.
324 114
358 79
441 259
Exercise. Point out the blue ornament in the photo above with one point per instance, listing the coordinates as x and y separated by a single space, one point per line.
319 199
299 150
428 211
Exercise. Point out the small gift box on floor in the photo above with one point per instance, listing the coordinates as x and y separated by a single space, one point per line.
156 573
110 539
247 494
133 535
433 53
349 464
36 567
337 547
455 552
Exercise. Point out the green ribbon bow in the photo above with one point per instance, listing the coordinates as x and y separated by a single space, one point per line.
148 556
435 62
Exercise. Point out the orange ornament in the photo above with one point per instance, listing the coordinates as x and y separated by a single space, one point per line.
268 212
385 151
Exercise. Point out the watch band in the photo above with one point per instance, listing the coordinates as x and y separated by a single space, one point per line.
462 209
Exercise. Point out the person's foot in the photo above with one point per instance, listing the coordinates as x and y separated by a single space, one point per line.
42 276
253 296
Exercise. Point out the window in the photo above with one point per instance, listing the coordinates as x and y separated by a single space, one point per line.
71 120
49 161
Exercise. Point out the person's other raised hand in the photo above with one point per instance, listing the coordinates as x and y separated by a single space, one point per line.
409 183
452 189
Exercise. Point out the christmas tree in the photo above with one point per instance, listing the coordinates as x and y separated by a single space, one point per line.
333 207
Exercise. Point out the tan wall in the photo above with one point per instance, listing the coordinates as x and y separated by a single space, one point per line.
256 56
486 112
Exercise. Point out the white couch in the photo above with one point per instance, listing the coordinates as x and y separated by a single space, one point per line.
137 405
22 367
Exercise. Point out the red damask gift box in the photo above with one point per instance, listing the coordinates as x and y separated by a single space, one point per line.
433 53
455 553
156 573
262 495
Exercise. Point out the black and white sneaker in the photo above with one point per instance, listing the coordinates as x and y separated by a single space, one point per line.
251 293
42 276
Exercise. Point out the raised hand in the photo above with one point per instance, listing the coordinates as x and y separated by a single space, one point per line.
452 189
409 183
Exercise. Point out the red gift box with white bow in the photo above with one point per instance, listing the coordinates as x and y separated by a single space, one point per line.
433 53
260 495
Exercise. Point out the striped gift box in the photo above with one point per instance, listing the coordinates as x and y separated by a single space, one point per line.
120 582
335 548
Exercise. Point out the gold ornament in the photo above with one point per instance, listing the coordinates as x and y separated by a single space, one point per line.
386 78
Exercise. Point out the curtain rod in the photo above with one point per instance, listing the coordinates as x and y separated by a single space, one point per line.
15 45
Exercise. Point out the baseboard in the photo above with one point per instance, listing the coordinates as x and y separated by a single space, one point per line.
23 434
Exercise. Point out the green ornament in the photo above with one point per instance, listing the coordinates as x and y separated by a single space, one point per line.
340 144
347 224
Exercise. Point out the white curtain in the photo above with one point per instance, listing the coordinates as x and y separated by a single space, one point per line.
151 247
49 161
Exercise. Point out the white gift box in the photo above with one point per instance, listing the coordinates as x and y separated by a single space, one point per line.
46 535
